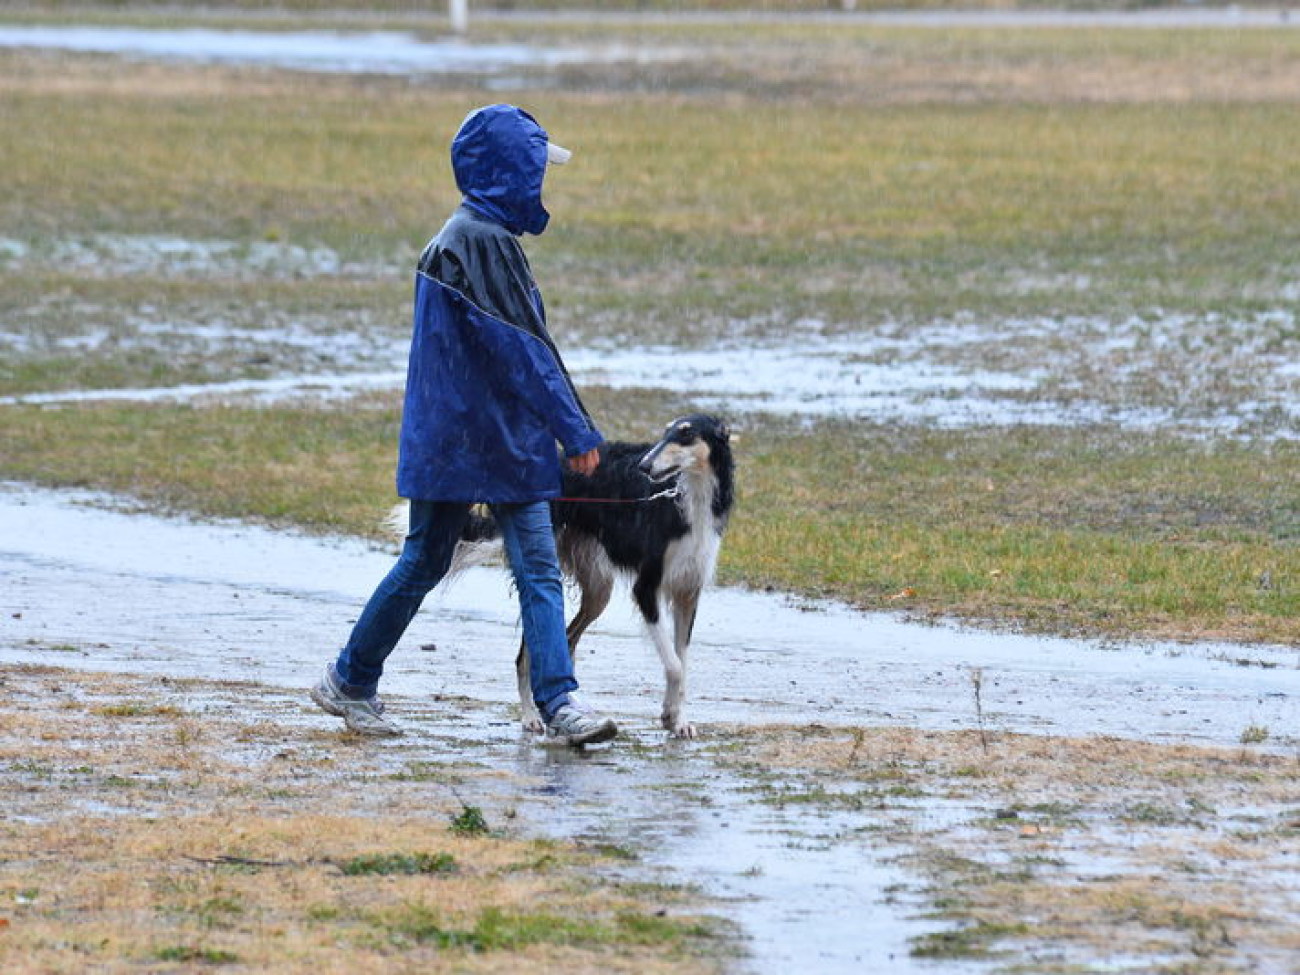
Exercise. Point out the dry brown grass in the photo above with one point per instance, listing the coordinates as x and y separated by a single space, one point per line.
1036 764
868 66
168 825
101 76
908 66
143 834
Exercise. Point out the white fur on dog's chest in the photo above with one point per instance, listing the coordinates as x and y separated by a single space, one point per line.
690 561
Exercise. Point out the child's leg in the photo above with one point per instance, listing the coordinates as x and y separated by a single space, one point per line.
530 547
435 528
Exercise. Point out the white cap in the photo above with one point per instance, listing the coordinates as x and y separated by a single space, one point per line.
557 155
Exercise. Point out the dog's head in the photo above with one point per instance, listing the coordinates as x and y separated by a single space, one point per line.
690 444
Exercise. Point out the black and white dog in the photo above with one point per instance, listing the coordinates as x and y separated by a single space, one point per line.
655 514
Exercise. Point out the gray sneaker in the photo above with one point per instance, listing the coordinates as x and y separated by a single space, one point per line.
577 724
365 716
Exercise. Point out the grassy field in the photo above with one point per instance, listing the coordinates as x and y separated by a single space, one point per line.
873 180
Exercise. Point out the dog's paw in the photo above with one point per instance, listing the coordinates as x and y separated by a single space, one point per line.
677 727
533 723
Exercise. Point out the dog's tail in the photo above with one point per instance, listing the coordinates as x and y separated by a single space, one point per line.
480 539
395 524
481 527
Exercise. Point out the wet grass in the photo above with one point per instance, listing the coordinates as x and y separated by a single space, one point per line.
386 864
966 942
222 462
278 854
1063 854
1076 529
127 330
868 211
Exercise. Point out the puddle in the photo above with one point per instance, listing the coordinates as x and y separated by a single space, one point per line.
1186 16
119 589
121 254
91 582
369 52
117 255
1173 372
805 900
258 392
819 379
923 380
86 587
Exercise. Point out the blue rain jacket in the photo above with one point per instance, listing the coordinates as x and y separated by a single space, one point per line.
487 395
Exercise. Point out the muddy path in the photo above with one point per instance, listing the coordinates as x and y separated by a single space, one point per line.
91 584
124 590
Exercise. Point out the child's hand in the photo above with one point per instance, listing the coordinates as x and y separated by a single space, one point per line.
585 464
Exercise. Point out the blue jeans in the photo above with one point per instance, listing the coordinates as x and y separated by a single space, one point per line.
435 527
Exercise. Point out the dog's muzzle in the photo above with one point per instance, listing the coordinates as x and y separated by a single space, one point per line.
647 467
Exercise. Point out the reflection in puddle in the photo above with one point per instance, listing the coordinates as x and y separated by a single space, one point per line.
370 52
806 899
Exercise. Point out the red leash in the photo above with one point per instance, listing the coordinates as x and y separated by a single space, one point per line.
671 492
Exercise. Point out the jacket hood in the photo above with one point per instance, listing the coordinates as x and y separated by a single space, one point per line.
499 157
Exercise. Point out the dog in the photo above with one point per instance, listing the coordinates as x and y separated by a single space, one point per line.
652 513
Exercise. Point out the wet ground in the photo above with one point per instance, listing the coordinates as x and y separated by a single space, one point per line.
355 52
1200 374
1168 372
237 601
91 584
920 380
1232 16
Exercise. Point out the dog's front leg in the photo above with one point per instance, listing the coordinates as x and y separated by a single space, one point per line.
531 717
646 592
675 695
674 680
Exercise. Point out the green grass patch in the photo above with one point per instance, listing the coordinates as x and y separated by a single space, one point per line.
496 929
384 864
191 954
319 469
1094 530
973 941
470 821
